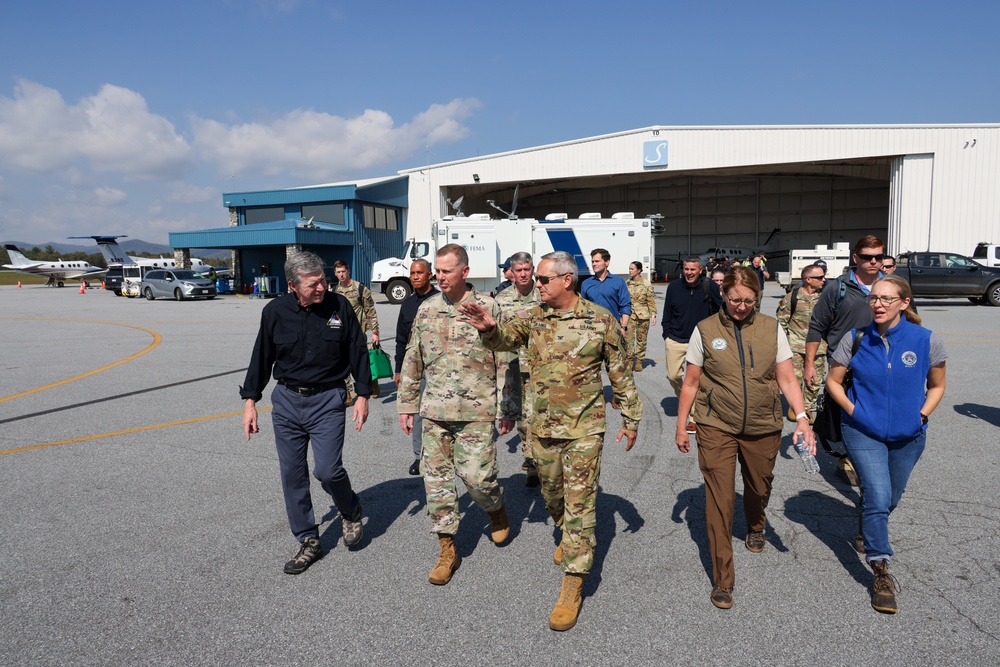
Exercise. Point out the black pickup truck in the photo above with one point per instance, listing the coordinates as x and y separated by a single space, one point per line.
945 275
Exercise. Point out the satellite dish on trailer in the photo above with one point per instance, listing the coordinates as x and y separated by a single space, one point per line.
513 207
457 205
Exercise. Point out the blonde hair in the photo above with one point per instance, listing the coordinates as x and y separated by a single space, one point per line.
903 291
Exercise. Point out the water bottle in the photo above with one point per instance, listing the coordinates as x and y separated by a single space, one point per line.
809 461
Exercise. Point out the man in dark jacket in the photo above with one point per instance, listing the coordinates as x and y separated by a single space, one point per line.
687 302
420 279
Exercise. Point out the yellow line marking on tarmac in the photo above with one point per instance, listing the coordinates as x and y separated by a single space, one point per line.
157 339
138 429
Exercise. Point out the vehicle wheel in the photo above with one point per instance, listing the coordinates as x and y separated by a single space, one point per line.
118 292
993 295
149 294
398 290
178 294
61 284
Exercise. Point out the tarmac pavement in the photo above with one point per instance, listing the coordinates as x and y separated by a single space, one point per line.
139 527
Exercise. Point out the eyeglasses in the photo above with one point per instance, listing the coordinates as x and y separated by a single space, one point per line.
865 257
815 277
545 279
884 300
736 302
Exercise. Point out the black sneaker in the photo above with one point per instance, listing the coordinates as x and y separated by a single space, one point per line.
309 552
354 530
415 467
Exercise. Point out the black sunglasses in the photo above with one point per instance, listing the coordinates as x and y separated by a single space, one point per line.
865 257
545 279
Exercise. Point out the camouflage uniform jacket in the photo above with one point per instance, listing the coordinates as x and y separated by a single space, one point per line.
796 325
511 303
464 380
643 298
360 298
564 352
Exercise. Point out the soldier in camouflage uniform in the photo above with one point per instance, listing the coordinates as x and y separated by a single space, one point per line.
460 401
643 312
360 298
520 297
794 312
566 340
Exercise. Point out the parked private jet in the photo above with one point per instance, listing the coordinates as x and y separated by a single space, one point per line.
114 254
57 272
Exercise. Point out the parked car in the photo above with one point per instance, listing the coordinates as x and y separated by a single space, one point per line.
176 283
943 275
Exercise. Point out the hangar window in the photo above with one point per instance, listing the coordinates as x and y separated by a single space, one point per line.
380 217
332 213
255 216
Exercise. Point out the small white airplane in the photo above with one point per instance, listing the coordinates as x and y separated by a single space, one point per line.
113 254
740 254
57 272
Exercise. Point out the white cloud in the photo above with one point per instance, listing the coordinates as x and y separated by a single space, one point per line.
320 146
112 131
107 196
184 193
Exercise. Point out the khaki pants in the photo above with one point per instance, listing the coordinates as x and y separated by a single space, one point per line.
675 364
717 455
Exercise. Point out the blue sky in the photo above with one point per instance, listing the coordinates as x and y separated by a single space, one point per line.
134 118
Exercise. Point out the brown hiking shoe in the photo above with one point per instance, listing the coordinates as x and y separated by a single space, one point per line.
309 552
883 588
722 597
567 609
755 542
557 556
499 525
447 562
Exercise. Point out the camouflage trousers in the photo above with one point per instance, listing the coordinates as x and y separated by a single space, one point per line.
522 423
810 393
465 449
570 471
638 332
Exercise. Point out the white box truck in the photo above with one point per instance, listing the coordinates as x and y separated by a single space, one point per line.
837 259
490 242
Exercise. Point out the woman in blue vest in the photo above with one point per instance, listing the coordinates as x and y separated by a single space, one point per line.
897 379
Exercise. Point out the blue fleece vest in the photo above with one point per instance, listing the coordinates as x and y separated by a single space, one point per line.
889 386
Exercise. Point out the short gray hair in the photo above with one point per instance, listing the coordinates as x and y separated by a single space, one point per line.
521 258
301 263
563 262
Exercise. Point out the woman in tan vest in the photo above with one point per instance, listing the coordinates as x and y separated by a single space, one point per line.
737 360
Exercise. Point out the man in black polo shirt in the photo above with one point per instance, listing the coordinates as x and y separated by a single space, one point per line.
312 340
420 278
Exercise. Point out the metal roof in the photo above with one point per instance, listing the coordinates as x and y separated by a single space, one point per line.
281 232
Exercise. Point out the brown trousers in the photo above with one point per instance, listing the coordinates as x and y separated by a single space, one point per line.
717 455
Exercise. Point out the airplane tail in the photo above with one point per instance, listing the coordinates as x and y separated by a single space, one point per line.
113 253
16 257
772 241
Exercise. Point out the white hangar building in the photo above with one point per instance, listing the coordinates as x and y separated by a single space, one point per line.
915 186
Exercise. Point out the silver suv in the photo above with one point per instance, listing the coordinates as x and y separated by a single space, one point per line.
176 283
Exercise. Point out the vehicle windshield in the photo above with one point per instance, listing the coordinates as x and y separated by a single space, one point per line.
187 275
979 252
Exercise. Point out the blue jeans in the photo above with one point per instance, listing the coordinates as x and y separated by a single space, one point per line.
883 469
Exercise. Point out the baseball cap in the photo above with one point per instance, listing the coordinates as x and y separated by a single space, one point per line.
505 265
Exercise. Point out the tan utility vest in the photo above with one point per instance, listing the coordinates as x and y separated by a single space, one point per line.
738 393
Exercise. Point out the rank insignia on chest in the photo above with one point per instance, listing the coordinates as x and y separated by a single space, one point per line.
334 322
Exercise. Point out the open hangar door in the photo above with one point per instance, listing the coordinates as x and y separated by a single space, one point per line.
814 203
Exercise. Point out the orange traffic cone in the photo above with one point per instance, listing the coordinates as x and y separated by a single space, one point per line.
103 286
18 284
82 289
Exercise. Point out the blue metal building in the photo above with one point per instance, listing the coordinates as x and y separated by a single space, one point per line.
355 223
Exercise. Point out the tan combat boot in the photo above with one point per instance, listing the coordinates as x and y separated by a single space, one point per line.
499 525
447 562
557 556
567 609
